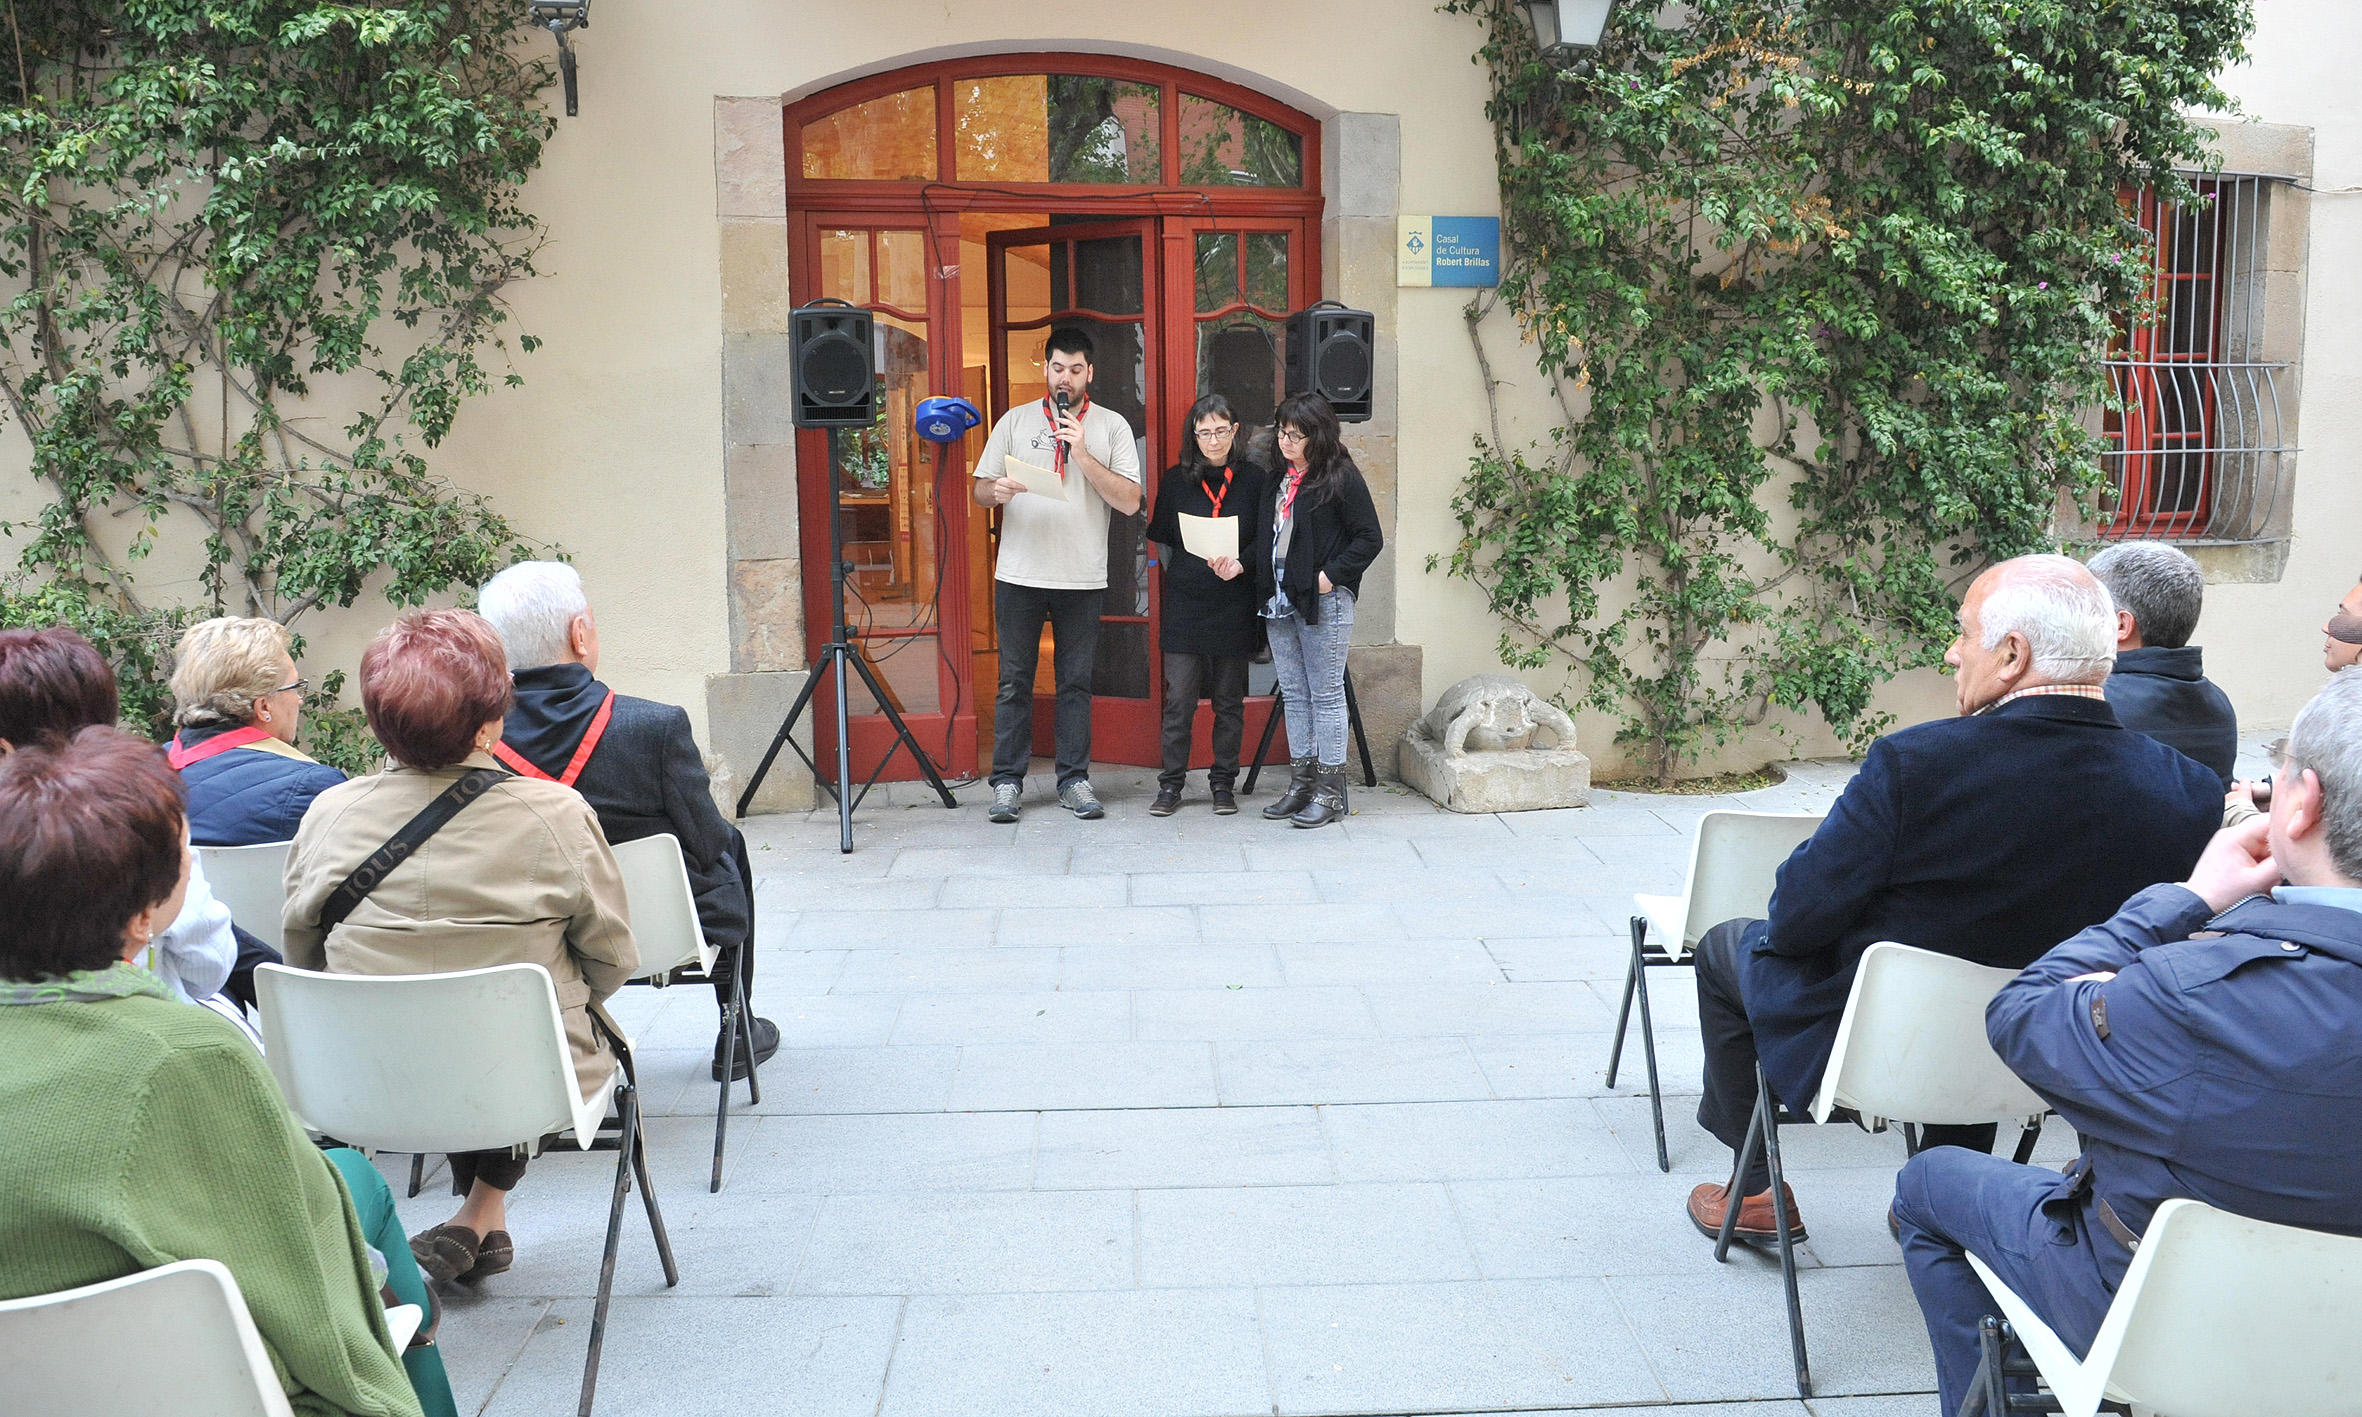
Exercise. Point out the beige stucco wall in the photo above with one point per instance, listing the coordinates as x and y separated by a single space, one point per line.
615 447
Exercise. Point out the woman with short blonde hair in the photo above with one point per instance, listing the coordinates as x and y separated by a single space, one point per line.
236 700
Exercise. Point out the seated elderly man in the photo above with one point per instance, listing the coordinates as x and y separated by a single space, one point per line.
1991 836
634 761
2204 1043
2159 686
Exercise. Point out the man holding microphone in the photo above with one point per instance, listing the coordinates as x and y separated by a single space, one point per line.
1053 563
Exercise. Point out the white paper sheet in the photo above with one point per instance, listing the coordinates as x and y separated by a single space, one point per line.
1039 481
1209 537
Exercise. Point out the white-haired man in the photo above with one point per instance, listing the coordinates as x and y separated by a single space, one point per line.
1990 836
633 760
2203 1043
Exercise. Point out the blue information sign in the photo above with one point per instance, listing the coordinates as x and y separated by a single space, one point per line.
1448 250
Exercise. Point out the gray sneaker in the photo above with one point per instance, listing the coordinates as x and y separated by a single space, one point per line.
1078 798
1005 803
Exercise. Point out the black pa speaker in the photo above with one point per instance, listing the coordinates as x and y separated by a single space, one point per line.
834 364
1331 352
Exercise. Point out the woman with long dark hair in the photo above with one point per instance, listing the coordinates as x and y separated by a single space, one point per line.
1319 532
1210 629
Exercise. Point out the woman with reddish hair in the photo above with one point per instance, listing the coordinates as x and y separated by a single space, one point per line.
518 873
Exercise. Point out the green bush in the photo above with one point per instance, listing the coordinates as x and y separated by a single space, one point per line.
1889 233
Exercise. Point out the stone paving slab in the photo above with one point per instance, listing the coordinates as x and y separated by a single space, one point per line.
1192 1117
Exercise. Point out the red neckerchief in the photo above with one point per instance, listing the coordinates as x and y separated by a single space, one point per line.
1287 503
590 740
1050 411
1216 497
180 757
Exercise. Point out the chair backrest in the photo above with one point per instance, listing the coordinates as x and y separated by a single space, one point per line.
1911 1046
663 908
252 882
2221 1316
467 1061
1734 861
175 1341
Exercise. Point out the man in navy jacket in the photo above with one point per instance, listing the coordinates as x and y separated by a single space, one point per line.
2205 1043
2159 686
1991 836
633 761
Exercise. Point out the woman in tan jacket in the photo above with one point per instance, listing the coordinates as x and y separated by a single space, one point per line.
521 874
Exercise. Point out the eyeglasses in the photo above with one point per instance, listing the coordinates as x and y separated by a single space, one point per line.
295 688
1288 435
1208 435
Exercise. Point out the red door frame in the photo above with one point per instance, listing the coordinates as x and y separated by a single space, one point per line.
935 207
2145 351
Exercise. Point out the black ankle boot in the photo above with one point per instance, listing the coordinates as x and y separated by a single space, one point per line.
1328 799
1299 793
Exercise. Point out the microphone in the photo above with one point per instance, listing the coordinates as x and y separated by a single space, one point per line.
1063 401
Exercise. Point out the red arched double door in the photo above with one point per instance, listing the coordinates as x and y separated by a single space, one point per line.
973 206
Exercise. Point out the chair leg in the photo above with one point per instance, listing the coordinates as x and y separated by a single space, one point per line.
2027 1140
664 1244
1756 1122
746 1031
1648 1053
1782 1222
1615 1052
627 1106
417 1172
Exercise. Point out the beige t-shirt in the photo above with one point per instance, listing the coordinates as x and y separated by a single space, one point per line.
1057 545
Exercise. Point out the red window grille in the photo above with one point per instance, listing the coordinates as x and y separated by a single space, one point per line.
2194 439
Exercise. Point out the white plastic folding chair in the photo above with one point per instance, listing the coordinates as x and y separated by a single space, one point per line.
2218 1316
198 1352
664 922
1733 861
252 882
1911 1048
468 1061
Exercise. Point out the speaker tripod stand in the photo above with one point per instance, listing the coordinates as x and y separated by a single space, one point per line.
834 659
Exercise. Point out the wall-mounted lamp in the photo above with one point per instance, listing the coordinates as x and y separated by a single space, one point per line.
1564 28
561 17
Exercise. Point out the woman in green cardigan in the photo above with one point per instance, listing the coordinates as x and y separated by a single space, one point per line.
142 1130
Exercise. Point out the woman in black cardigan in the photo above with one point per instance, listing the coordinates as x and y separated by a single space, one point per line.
1319 532
1210 629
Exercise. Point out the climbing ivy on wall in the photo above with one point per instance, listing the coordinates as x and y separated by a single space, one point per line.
1821 289
253 255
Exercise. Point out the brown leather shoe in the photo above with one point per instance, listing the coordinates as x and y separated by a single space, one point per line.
1757 1224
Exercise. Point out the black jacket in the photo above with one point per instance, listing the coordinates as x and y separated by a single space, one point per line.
645 777
1989 838
1203 613
2165 693
1338 538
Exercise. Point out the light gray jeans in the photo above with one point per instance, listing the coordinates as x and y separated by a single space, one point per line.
1310 662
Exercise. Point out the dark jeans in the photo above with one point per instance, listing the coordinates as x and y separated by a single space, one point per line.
1949 1202
1018 611
1188 678
1729 1040
501 1170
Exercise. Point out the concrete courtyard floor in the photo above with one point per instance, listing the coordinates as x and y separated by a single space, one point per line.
1195 1116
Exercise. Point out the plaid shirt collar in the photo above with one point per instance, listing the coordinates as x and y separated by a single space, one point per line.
2080 691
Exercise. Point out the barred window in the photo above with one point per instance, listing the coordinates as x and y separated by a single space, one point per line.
2195 450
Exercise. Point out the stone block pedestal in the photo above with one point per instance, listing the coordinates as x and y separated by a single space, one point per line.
1526 781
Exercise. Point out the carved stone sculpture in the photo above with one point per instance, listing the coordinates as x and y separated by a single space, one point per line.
1491 744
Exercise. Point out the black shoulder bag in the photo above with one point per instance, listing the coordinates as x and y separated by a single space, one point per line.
472 784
